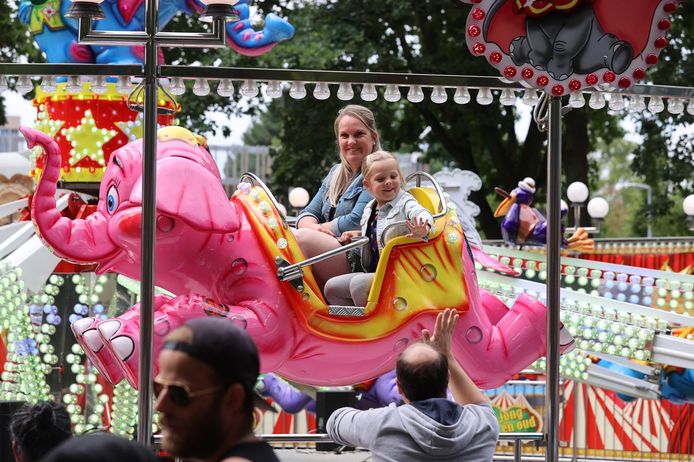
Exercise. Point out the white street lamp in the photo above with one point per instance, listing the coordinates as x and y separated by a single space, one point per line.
688 207
298 198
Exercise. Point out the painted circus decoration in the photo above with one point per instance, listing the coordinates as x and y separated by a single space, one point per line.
220 257
56 34
569 45
525 225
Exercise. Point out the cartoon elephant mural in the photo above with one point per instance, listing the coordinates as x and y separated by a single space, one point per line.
564 43
227 251
56 34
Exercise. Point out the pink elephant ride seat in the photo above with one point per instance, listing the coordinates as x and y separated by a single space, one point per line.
219 257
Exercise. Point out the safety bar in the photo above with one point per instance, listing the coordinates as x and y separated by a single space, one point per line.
292 272
442 200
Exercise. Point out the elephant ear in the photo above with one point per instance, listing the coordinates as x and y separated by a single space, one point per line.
190 192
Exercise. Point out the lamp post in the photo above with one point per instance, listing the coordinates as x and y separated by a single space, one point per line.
597 208
688 207
298 198
649 200
87 11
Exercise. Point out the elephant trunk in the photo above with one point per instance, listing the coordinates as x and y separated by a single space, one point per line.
80 240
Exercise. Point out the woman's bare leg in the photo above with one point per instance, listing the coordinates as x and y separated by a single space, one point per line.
314 243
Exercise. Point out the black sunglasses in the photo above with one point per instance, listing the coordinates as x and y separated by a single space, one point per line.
179 393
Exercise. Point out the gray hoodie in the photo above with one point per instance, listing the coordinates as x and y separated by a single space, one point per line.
434 429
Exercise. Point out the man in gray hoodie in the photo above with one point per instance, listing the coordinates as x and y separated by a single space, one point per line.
428 426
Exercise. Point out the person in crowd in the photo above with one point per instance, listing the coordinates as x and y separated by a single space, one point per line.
35 429
428 426
100 447
205 394
391 205
338 205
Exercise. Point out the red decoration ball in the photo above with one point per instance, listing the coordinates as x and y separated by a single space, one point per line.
651 59
557 90
660 42
574 85
473 31
495 57
591 79
510 71
624 82
664 24
478 14
639 74
527 73
479 48
609 76
669 7
543 80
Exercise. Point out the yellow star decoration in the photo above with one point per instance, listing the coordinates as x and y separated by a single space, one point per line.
132 129
87 139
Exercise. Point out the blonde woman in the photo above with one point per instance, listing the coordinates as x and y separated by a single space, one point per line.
338 205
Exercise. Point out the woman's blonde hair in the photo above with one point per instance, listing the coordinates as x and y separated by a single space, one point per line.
341 177
371 159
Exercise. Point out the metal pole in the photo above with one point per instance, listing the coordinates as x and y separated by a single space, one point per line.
553 278
149 181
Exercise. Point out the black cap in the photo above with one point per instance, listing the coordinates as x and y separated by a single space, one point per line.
227 349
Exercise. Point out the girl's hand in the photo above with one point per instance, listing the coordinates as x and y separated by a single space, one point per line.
418 227
326 228
347 236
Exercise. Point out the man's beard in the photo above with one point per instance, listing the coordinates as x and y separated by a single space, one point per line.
200 439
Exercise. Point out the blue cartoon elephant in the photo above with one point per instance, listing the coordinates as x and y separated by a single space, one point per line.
56 34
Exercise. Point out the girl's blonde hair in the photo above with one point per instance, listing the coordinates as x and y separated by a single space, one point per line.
341 177
371 159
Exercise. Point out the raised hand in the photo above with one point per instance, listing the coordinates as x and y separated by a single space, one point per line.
443 331
418 227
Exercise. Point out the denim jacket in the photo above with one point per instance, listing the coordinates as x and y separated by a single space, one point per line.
402 208
349 207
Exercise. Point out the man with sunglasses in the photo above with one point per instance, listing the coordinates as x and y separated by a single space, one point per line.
205 393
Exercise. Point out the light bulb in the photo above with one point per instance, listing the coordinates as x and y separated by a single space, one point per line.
576 100
368 92
392 93
484 96
49 84
530 98
123 86
439 95
656 105
225 88
322 91
273 89
598 208
201 87
637 104
577 192
596 101
415 94
345 92
178 86
616 102
690 106
249 89
99 85
73 84
675 106
688 205
462 95
24 84
508 97
297 90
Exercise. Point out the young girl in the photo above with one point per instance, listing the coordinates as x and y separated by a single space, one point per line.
383 179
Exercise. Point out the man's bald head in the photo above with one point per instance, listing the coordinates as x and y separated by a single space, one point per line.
422 372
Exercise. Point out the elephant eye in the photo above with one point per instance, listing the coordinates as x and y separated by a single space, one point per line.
112 199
